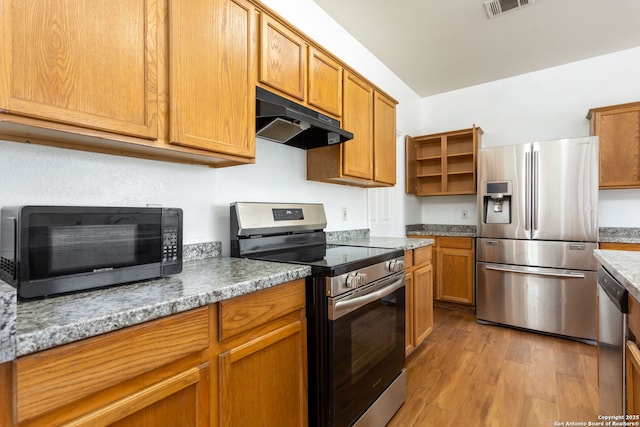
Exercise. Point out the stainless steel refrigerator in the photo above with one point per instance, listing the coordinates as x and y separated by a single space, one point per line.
537 229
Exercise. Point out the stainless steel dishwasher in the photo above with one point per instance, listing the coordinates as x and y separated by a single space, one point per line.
612 336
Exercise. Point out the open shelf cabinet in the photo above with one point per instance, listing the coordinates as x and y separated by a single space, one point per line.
442 163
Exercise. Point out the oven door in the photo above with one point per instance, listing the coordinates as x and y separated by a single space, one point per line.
366 345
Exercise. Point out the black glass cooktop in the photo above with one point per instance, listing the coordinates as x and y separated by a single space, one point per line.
333 260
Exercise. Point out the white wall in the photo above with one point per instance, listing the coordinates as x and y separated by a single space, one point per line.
542 105
31 174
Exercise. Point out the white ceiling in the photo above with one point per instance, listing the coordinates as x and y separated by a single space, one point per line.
438 46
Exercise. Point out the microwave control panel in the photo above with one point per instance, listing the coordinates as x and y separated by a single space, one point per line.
169 245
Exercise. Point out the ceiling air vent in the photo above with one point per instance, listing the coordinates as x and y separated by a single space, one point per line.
498 7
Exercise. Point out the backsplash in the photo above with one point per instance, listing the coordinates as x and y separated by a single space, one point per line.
362 233
442 230
197 251
619 235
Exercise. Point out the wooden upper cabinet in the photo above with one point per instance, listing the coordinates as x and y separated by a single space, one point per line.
325 82
92 64
358 119
442 163
384 143
369 159
618 131
283 58
212 75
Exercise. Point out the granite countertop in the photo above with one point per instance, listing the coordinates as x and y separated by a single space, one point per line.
619 235
451 230
384 242
624 266
7 322
46 323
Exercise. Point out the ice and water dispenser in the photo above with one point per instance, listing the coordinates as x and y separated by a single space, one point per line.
496 199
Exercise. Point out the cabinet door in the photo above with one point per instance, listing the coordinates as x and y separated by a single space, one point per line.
86 63
619 138
263 382
212 69
358 119
325 82
283 58
178 401
6 393
633 378
455 267
422 304
384 143
408 331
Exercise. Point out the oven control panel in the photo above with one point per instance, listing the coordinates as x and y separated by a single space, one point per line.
337 285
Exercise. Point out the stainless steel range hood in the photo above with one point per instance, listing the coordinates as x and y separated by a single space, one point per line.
281 120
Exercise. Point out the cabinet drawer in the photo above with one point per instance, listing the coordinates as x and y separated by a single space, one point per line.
243 313
56 377
422 255
408 258
620 246
456 242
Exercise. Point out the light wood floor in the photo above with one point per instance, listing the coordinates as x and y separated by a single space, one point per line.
468 374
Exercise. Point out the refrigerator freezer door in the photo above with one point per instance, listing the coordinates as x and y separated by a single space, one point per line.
555 301
505 164
535 253
565 190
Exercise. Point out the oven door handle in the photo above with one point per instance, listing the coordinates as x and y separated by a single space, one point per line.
342 308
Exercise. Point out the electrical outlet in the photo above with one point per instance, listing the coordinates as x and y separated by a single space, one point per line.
465 214
344 214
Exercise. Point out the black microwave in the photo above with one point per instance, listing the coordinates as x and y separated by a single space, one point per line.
49 250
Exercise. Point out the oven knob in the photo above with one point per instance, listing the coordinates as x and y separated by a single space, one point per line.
356 279
395 265
362 279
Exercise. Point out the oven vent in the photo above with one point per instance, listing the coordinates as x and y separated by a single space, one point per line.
496 8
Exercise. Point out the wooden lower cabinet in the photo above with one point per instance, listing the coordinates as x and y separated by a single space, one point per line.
261 362
155 372
620 246
633 358
238 362
419 297
6 394
453 268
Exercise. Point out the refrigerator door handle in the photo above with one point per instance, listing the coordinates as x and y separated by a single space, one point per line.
535 178
527 194
538 271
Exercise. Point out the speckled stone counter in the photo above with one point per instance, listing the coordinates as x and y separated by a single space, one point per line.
452 230
7 322
384 242
619 235
51 322
624 266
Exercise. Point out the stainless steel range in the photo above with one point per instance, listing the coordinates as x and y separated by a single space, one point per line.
355 311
